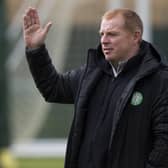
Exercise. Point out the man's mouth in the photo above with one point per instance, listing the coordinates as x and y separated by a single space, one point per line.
107 50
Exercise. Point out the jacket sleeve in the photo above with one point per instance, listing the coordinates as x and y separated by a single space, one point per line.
158 158
54 87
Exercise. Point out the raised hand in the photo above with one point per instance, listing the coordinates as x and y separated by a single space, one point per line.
34 33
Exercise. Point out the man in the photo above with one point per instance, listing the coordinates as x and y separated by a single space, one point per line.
120 95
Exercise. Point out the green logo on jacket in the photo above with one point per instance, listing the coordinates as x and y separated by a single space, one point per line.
137 98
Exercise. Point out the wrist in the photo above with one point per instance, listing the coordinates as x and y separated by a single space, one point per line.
32 49
35 47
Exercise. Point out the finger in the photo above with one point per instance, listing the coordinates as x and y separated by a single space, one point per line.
25 22
28 11
27 18
36 16
31 16
29 21
47 27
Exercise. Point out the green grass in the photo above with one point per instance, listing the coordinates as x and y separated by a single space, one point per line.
41 163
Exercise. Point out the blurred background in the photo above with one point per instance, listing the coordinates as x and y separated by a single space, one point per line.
29 127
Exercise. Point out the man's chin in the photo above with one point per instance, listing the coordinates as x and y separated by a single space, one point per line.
109 58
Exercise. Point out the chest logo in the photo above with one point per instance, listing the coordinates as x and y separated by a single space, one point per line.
137 98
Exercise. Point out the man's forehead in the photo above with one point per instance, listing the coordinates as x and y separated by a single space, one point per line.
112 23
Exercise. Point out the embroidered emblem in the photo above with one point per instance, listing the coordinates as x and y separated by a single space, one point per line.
137 98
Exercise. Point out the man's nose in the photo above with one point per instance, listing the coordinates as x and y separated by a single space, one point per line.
104 39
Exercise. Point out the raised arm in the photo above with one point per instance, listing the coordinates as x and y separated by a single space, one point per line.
53 86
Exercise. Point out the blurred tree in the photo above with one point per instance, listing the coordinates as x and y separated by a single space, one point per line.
6 160
4 129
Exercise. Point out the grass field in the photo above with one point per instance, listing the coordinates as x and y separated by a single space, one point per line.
41 163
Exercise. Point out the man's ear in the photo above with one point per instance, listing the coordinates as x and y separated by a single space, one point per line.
137 36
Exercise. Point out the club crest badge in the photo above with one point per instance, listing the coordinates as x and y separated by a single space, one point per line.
137 98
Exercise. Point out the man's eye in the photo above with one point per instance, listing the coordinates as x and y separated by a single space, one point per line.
113 34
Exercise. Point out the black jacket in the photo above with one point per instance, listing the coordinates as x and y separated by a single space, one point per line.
139 136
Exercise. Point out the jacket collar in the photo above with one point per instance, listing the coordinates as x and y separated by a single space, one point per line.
150 61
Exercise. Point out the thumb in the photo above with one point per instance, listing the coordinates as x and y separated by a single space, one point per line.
47 27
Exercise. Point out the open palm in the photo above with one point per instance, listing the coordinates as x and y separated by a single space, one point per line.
34 34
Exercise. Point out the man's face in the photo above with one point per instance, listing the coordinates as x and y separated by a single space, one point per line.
117 42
